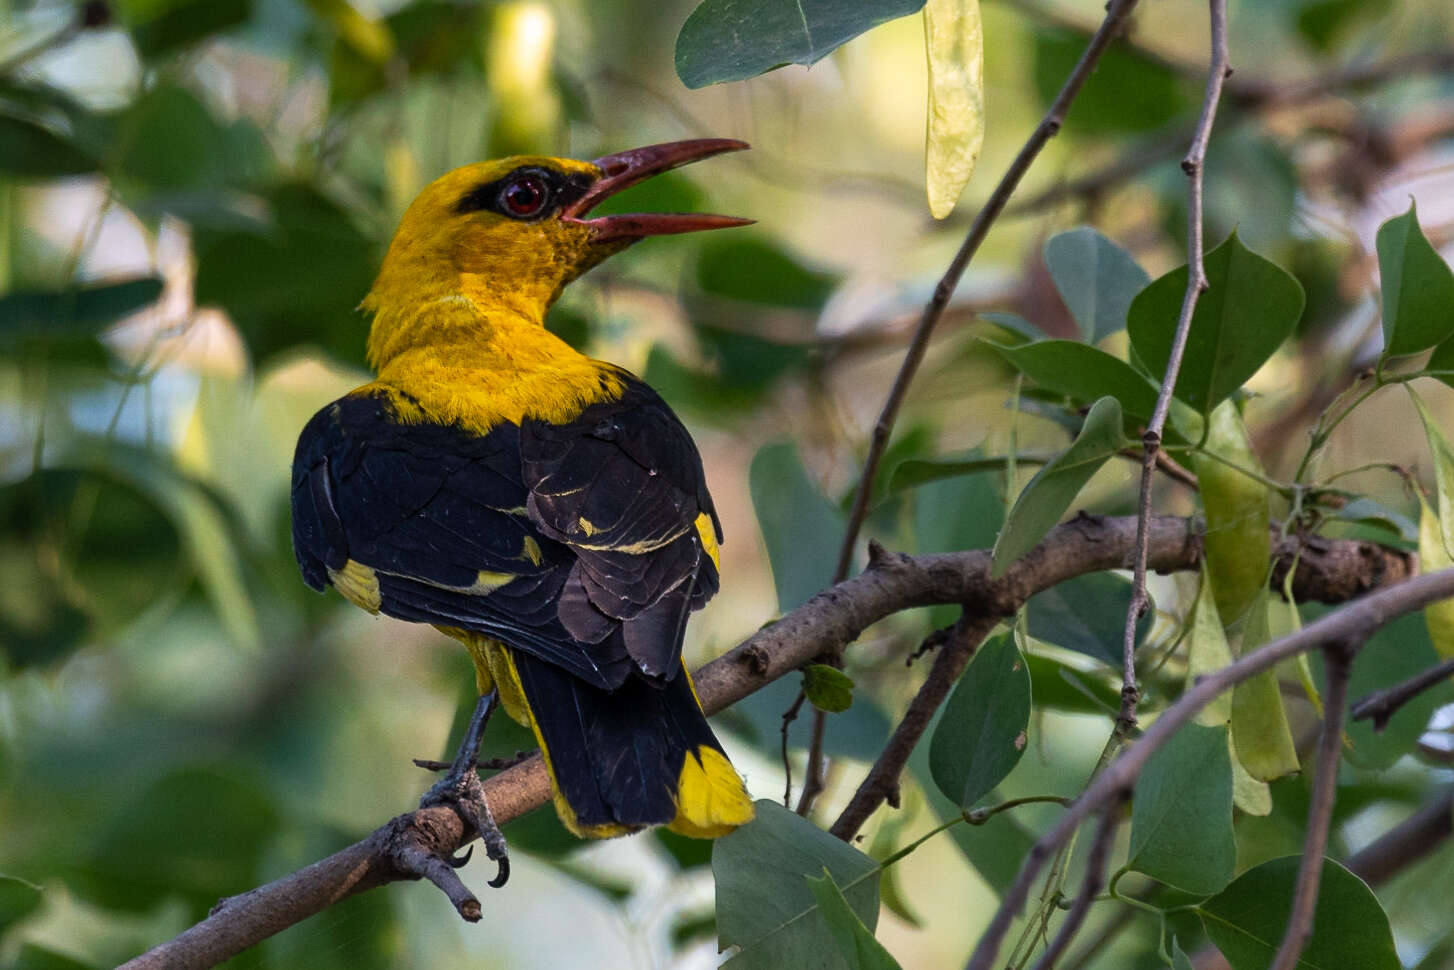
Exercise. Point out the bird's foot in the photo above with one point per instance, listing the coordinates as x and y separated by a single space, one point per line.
462 788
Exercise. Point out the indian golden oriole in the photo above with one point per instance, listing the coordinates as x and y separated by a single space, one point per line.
546 509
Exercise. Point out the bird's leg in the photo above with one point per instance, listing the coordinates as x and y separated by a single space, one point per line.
462 788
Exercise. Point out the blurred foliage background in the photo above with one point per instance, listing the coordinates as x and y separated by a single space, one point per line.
194 196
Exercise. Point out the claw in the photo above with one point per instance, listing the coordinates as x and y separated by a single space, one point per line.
462 788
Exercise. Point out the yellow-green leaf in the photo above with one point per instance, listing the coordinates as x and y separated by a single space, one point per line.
1208 652
1433 556
1238 545
1260 732
954 39
1251 796
1443 457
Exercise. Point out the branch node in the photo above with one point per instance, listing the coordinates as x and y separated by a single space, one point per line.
878 556
757 659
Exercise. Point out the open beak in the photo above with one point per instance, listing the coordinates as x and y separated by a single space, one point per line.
625 169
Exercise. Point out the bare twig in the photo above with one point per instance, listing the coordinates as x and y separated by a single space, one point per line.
1196 285
828 622
1353 623
1091 883
813 776
789 716
1416 837
1115 17
1339 661
1382 705
882 783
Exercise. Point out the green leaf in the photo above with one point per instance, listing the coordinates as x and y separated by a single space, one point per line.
1262 736
1127 93
1086 614
1179 959
764 905
1238 508
1181 819
198 832
1250 309
18 899
1398 651
1208 651
800 527
162 27
1247 920
310 239
1418 288
58 315
982 734
1433 556
828 688
1097 280
1443 457
29 150
1063 686
731 40
995 849
919 471
170 140
1082 372
954 39
753 268
856 945
1054 487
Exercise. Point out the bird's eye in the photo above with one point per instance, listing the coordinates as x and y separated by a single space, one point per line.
525 196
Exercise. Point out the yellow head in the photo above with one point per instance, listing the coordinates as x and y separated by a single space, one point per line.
510 234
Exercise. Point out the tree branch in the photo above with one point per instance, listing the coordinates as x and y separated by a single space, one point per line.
1382 705
1353 623
1299 930
828 622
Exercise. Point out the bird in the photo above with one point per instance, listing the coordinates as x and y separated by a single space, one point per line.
546 509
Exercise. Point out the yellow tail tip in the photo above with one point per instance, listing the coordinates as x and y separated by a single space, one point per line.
711 799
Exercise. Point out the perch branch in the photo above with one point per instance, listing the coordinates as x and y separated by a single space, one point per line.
830 621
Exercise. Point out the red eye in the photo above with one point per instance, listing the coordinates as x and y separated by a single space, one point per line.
525 197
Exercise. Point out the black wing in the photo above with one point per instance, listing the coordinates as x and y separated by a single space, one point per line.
622 486
445 522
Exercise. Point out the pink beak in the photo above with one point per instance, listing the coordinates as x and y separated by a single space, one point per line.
625 169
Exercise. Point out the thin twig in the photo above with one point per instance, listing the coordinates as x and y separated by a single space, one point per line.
1115 16
1382 705
882 782
789 716
1353 623
1196 285
813 776
1339 661
1091 884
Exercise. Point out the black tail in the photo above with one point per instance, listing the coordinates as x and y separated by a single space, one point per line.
640 755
